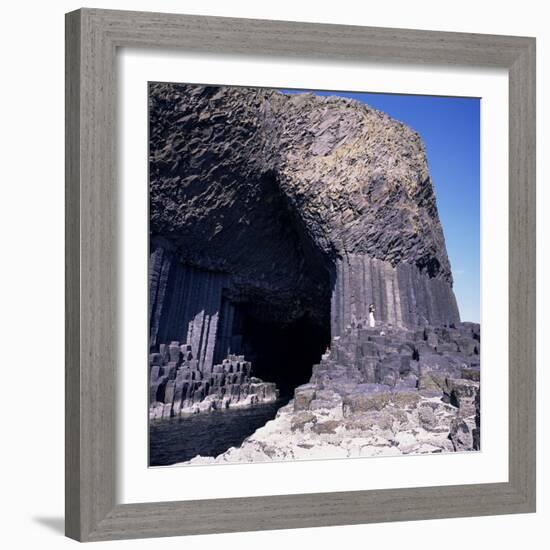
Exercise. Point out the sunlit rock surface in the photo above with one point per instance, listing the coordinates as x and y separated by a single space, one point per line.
369 397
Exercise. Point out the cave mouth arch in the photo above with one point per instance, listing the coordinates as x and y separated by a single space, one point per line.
280 318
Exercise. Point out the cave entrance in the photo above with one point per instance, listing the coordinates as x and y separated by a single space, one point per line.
262 288
283 352
277 311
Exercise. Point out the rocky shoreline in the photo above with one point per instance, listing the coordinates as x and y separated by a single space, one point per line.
378 392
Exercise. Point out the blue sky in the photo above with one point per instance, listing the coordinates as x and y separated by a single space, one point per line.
449 127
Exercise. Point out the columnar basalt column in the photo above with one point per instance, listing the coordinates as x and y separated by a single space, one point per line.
402 295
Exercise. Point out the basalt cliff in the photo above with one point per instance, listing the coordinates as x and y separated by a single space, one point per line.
275 222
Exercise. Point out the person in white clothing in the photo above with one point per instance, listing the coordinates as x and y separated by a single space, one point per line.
372 309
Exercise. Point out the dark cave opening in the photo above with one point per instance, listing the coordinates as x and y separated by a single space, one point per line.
279 304
282 320
283 352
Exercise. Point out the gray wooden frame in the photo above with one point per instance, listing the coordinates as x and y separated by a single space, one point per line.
92 38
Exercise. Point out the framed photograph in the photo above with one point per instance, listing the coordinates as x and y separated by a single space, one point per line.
300 275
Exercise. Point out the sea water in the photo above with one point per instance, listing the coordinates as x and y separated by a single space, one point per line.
208 434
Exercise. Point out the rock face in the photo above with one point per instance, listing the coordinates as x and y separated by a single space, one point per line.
273 209
401 294
276 221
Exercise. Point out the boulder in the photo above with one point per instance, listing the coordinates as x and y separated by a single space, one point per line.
301 419
463 394
362 402
405 399
426 417
327 427
461 435
303 398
